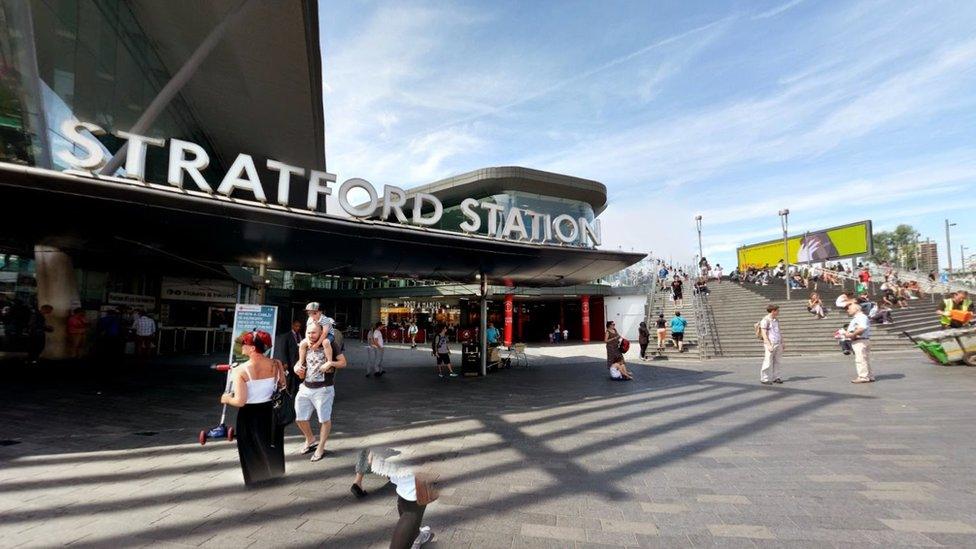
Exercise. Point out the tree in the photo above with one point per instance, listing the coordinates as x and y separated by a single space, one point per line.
897 247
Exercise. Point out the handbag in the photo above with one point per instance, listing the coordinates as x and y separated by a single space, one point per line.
624 345
282 402
427 489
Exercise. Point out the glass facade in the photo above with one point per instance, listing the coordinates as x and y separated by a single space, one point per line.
87 60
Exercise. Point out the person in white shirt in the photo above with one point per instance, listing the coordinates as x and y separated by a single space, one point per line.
859 331
145 329
374 363
412 334
773 346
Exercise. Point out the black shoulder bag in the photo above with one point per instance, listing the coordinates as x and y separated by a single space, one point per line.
282 402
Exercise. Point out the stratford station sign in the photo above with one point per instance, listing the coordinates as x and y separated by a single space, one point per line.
188 160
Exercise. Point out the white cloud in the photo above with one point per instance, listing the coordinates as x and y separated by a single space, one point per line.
778 10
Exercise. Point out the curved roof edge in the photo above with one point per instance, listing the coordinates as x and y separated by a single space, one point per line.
494 180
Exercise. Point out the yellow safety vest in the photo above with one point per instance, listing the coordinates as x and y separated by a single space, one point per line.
947 307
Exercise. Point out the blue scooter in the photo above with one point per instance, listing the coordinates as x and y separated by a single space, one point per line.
221 430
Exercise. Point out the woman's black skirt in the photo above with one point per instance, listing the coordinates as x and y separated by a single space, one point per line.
260 443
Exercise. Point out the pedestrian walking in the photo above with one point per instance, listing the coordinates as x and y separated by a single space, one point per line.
643 339
662 331
374 362
37 330
260 441
678 324
772 340
442 351
412 334
77 331
145 330
319 356
676 291
286 350
859 332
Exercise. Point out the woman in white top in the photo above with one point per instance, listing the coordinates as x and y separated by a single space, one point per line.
260 442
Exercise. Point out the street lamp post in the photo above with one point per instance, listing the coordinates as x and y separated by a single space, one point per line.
949 244
784 219
698 224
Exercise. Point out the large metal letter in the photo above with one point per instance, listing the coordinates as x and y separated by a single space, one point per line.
178 164
315 187
394 199
557 227
233 179
494 210
473 222
135 159
515 223
366 210
94 154
285 172
418 205
590 232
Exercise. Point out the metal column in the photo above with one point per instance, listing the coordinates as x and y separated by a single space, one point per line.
483 325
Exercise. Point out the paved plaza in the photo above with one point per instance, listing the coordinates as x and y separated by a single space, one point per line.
690 454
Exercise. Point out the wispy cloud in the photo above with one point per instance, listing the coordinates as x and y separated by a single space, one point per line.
778 10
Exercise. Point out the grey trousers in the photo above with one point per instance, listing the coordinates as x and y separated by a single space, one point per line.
374 359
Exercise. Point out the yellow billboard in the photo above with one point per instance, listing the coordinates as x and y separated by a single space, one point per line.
826 245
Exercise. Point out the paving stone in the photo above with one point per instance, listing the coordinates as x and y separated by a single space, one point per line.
553 532
934 526
740 531
723 498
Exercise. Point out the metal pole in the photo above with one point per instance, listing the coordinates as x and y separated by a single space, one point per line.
483 325
262 272
962 258
948 245
784 221
698 223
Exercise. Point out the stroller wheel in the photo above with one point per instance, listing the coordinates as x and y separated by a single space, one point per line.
230 434
202 438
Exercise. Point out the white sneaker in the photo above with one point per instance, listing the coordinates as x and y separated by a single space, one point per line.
425 535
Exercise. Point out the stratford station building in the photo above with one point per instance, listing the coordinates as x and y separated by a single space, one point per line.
170 157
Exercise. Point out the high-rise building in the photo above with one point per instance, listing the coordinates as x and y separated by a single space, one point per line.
928 256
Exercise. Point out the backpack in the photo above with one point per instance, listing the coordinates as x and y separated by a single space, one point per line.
624 345
759 330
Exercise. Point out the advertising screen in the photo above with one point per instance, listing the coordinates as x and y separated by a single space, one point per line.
253 322
825 245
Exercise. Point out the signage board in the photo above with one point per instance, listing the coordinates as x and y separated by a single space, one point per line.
252 322
198 289
841 242
146 303
187 161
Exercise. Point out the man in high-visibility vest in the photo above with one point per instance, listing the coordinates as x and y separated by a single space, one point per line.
961 304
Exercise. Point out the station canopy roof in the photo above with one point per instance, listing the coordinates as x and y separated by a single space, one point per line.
107 223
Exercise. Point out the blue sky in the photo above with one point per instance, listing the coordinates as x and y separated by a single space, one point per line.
839 111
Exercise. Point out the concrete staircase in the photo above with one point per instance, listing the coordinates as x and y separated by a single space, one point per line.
737 308
660 302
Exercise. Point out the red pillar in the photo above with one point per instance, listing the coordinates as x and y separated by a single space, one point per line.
585 306
508 319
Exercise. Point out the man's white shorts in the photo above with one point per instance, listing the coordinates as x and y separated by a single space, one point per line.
320 400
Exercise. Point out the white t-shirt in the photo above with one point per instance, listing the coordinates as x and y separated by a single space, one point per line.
771 326
378 336
842 300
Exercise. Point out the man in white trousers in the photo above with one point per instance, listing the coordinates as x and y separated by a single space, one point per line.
859 331
773 345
